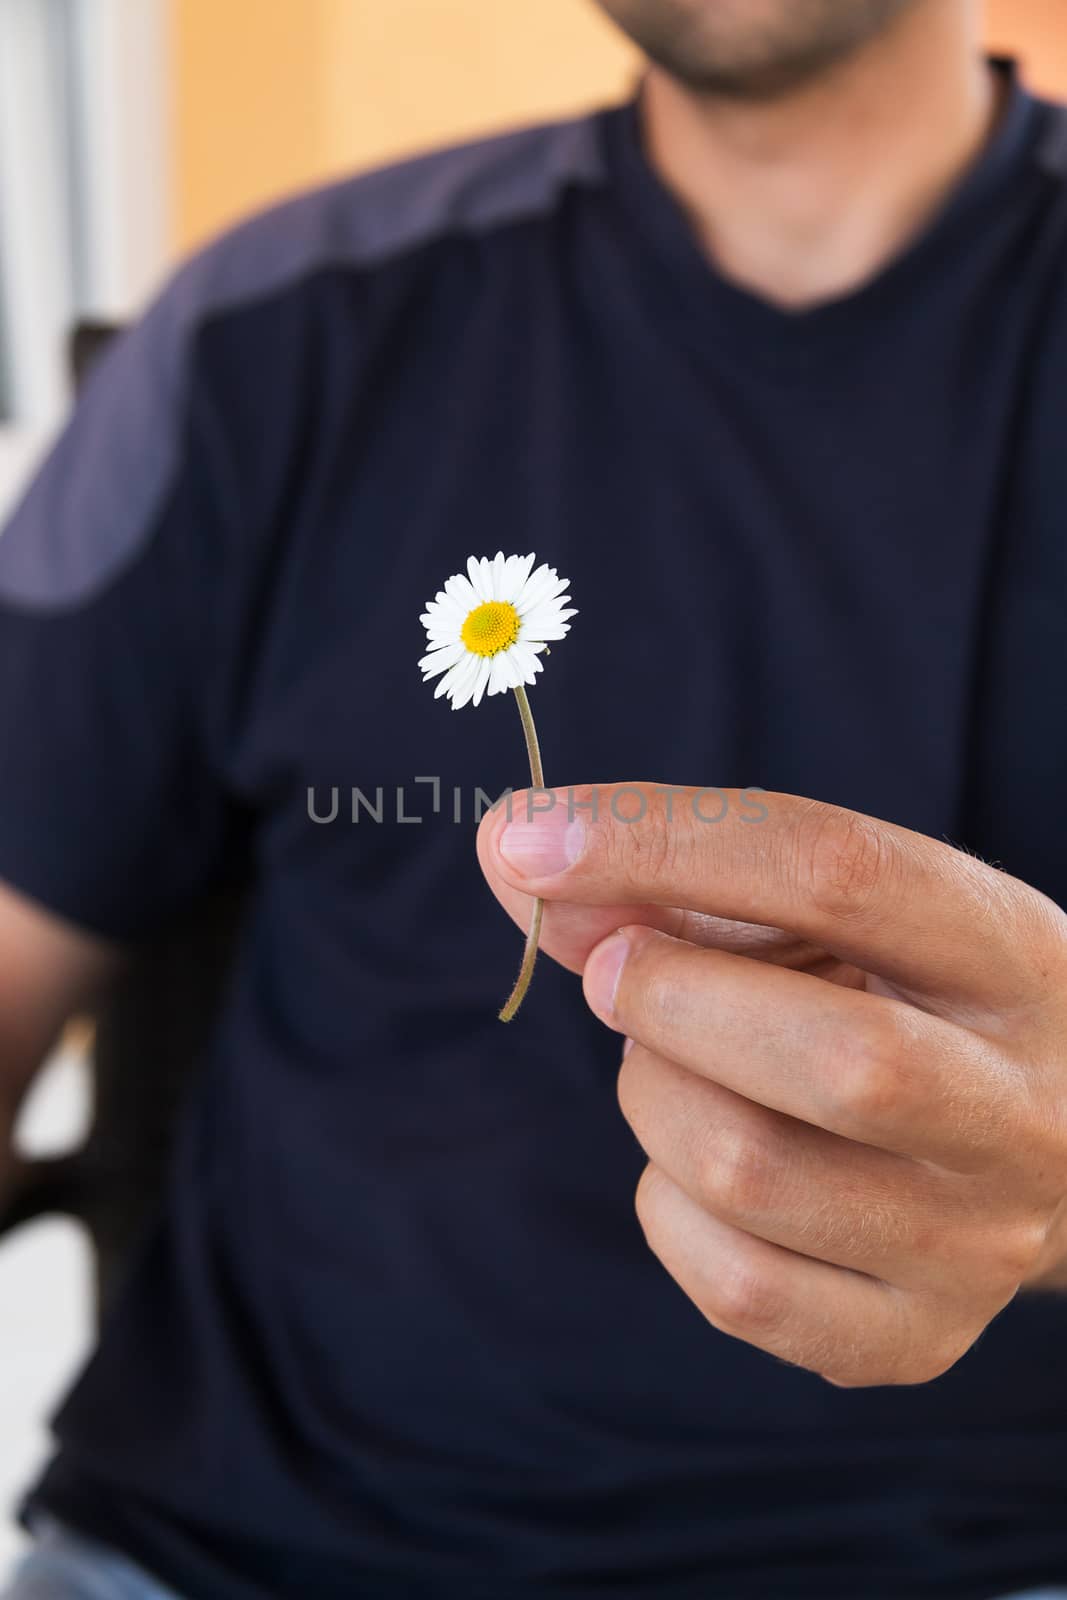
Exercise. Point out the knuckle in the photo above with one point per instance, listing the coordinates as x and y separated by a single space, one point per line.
846 860
737 1175
747 1301
925 1365
1015 1253
873 1085
642 1197
651 849
645 1201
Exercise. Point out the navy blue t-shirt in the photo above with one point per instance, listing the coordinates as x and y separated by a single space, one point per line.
396 1331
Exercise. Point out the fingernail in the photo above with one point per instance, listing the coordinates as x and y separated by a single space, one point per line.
544 844
602 973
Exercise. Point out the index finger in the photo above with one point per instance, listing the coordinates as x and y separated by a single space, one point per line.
920 914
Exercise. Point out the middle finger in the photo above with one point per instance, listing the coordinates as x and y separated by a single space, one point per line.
798 1186
868 1067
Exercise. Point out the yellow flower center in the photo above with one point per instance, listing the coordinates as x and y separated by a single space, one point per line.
490 628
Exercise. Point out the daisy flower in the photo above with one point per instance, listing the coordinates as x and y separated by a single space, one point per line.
486 632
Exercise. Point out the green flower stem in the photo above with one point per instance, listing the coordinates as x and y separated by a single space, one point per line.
533 938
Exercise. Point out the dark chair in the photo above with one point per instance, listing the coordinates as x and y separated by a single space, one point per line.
148 1042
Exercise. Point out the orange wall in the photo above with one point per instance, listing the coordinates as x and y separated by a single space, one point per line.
274 94
1036 30
404 74
245 104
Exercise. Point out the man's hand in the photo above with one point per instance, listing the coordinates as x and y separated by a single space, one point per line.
848 1068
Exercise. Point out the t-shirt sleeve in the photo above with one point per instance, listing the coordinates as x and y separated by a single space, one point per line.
113 572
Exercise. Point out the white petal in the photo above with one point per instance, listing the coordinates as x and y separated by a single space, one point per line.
547 633
455 676
522 664
440 660
524 569
450 616
516 574
544 585
556 593
546 621
506 674
448 682
506 587
546 611
442 621
482 682
436 634
466 679
463 592
534 584
499 677
479 579
530 658
443 601
462 695
499 569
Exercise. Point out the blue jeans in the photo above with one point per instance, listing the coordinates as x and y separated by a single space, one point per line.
64 1566
61 1565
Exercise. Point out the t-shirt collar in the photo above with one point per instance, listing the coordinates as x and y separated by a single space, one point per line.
713 306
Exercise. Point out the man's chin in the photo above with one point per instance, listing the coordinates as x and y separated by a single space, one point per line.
751 49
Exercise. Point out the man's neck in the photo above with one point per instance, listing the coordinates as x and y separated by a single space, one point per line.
805 198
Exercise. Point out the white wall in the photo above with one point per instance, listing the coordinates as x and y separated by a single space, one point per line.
118 161
84 201
21 448
44 1299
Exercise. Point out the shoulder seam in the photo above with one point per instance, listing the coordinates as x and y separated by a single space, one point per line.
365 222
135 410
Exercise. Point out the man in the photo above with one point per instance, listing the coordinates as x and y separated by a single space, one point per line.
770 365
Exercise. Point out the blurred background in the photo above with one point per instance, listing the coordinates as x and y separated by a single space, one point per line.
130 132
